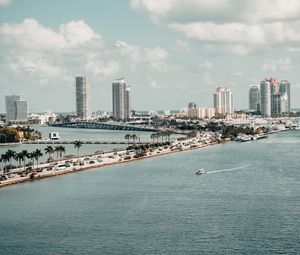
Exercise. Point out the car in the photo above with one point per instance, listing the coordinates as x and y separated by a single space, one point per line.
81 163
29 168
61 167
87 158
92 162
3 178
39 170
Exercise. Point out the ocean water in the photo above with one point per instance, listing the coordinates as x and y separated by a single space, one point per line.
248 203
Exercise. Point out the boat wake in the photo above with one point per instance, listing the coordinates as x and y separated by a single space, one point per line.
229 169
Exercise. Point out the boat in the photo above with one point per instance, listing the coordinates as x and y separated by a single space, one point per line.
245 138
201 171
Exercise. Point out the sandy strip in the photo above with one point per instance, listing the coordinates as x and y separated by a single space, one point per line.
106 162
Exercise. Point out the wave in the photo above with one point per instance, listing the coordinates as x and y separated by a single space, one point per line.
229 169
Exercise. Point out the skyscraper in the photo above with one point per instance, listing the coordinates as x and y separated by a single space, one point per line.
284 88
265 98
121 99
81 97
223 100
254 98
16 109
192 110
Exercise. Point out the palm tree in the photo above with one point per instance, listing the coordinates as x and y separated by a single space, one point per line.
77 144
57 149
162 134
19 157
60 149
5 159
25 155
157 136
10 154
37 154
152 136
49 150
127 137
134 136
31 156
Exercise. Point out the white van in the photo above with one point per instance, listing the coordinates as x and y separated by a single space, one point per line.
60 167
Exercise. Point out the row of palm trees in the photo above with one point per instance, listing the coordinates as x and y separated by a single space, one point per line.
36 154
20 157
153 136
128 137
161 135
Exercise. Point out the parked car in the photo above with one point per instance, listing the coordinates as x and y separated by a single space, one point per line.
3 178
92 162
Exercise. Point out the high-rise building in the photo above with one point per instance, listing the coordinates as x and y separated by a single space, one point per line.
279 104
81 97
206 112
192 110
121 99
223 100
254 98
16 109
284 88
265 98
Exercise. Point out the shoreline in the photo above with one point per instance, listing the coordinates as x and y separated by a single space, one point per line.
107 162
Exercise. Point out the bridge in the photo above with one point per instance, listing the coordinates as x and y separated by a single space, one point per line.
100 125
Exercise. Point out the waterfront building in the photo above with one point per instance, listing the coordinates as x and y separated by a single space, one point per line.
223 100
206 112
265 98
81 97
284 88
16 109
254 98
121 99
192 110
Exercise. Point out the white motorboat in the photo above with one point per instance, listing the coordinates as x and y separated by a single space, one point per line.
201 171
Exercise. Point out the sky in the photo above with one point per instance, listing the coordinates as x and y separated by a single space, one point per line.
171 52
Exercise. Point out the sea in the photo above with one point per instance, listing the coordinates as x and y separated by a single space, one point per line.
247 203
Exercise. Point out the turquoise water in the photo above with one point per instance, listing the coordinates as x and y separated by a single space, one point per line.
248 203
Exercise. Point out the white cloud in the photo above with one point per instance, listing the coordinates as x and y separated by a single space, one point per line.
274 65
206 65
97 67
31 35
239 26
182 45
4 3
153 57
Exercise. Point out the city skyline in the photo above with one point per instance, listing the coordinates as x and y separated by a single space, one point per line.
181 55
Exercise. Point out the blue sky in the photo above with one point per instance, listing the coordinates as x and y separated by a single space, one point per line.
171 52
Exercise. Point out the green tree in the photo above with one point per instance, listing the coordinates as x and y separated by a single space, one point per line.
134 137
127 137
10 154
153 136
77 145
25 155
5 159
49 150
19 157
37 154
31 157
